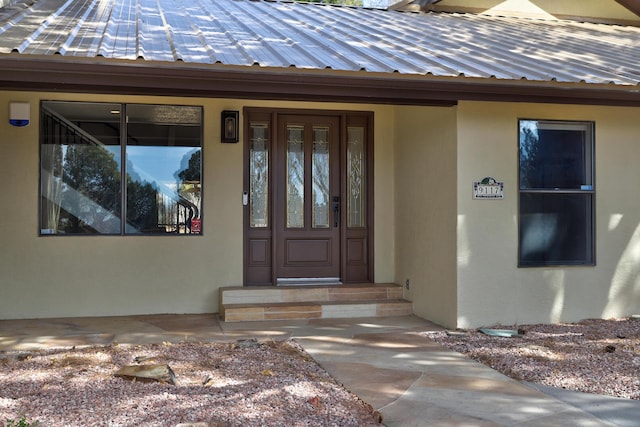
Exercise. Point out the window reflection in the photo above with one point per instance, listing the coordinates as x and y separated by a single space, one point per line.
163 168
82 169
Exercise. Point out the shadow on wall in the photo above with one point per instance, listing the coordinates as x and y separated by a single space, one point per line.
624 288
494 291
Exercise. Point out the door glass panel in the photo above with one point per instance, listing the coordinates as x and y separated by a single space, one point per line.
295 176
320 173
355 177
259 175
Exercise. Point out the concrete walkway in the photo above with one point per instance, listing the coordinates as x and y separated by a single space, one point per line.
410 379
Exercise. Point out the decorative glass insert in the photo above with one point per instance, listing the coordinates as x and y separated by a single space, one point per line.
86 187
321 178
295 176
355 177
259 175
556 194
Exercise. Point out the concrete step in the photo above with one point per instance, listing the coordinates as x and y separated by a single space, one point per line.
312 302
314 310
270 294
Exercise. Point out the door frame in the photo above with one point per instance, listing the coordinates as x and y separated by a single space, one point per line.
356 243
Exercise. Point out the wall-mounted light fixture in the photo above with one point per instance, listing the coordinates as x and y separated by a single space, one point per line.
19 113
229 125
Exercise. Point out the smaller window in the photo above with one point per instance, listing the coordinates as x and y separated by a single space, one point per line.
556 202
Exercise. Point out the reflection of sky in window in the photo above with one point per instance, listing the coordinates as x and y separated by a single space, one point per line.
115 150
159 164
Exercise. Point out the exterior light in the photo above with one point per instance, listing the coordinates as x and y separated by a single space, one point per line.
229 125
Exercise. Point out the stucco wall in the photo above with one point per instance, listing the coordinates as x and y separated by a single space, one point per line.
425 187
491 288
609 9
53 276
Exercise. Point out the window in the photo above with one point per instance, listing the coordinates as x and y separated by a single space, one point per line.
556 209
87 188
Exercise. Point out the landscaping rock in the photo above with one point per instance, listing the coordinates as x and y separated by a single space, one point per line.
160 373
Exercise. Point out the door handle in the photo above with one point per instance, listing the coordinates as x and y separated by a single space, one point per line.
336 210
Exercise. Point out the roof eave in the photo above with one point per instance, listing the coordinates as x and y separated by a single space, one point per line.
21 73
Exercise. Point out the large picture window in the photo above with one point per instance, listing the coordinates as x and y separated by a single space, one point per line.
556 209
111 168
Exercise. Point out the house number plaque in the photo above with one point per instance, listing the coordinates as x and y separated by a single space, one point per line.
488 188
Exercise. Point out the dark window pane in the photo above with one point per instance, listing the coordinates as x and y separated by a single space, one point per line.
553 157
80 168
556 229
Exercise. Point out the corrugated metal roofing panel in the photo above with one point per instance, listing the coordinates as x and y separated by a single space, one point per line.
316 36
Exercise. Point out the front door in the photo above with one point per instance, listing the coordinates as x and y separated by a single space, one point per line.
307 199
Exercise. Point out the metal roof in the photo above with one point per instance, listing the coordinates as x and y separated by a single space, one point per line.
315 36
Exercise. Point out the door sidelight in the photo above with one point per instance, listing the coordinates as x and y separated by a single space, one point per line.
336 210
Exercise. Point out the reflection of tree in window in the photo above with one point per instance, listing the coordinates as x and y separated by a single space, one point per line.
142 205
529 159
93 172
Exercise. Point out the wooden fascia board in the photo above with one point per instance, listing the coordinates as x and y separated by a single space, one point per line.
139 78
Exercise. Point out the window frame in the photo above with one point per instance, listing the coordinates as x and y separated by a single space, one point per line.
589 189
123 170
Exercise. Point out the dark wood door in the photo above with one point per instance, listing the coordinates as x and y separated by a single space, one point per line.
307 198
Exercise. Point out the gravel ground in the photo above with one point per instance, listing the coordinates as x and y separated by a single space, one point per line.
240 384
594 356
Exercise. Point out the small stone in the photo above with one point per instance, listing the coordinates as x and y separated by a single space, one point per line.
23 356
140 359
192 425
160 373
248 343
208 381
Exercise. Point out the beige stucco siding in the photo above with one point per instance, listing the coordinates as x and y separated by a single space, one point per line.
459 254
425 187
491 288
52 276
603 9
